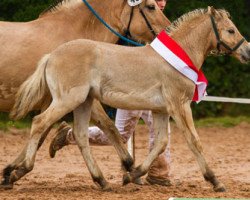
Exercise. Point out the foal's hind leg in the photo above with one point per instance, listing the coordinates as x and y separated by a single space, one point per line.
81 122
184 119
9 168
40 125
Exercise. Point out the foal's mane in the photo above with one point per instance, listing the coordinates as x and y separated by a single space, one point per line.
58 4
175 25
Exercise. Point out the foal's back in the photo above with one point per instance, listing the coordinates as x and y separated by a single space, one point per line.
115 74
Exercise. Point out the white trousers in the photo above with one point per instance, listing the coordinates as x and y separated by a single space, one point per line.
126 121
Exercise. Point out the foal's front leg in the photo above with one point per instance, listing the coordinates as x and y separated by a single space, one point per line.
160 142
184 119
81 122
101 119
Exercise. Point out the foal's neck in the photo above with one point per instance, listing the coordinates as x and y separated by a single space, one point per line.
195 39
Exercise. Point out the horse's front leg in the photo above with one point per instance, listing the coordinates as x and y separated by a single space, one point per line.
81 122
6 184
160 128
101 120
184 119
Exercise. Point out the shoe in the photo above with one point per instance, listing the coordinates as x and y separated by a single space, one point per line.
159 172
155 181
60 140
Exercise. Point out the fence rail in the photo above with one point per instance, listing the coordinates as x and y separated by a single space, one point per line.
131 141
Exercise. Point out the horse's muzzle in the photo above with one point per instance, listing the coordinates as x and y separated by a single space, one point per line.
245 54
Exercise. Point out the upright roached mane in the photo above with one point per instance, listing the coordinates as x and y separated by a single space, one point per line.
59 4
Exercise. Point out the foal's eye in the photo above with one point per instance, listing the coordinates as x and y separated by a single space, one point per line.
231 31
151 7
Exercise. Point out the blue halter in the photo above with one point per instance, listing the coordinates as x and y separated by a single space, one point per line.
111 29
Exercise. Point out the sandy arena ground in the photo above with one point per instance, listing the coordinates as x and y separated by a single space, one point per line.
66 177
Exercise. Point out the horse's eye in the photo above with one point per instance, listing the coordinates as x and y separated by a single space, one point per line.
231 31
151 7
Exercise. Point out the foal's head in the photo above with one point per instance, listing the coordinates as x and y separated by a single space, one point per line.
227 37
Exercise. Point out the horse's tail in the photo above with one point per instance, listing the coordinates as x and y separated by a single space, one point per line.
31 92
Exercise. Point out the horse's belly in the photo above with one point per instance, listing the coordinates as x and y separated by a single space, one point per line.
131 101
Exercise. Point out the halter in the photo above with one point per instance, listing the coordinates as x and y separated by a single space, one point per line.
127 32
220 42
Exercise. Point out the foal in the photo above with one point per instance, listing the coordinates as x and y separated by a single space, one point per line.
65 21
130 78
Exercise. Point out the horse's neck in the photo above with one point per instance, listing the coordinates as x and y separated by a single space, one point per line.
86 25
196 40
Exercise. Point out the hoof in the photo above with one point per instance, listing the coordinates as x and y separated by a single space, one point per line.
60 140
107 188
220 188
126 179
6 186
155 181
138 181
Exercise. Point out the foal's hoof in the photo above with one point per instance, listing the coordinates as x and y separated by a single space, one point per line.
6 186
220 188
138 181
107 188
126 179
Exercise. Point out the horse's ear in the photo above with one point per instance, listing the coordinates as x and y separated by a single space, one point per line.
134 2
211 10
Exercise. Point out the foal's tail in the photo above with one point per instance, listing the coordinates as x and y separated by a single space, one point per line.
31 92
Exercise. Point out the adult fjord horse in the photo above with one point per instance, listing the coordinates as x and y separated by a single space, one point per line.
23 44
81 70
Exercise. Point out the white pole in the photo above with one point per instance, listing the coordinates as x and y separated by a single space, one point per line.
131 141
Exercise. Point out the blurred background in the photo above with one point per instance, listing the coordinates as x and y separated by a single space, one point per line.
227 77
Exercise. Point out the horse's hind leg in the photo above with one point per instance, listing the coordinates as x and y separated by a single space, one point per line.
184 119
10 167
5 183
81 122
101 119
40 125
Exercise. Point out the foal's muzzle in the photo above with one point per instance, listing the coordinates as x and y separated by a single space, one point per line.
245 53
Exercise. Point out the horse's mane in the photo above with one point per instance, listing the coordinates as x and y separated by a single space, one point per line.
57 4
175 25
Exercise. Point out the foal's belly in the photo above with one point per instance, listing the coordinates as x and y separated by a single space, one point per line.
151 100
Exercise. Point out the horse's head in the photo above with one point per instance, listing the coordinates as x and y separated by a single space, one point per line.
143 19
227 38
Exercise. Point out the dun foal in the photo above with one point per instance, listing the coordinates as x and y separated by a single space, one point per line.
24 44
79 71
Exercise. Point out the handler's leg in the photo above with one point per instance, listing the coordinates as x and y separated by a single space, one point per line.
160 169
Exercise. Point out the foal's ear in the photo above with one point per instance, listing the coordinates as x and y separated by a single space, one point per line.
211 10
